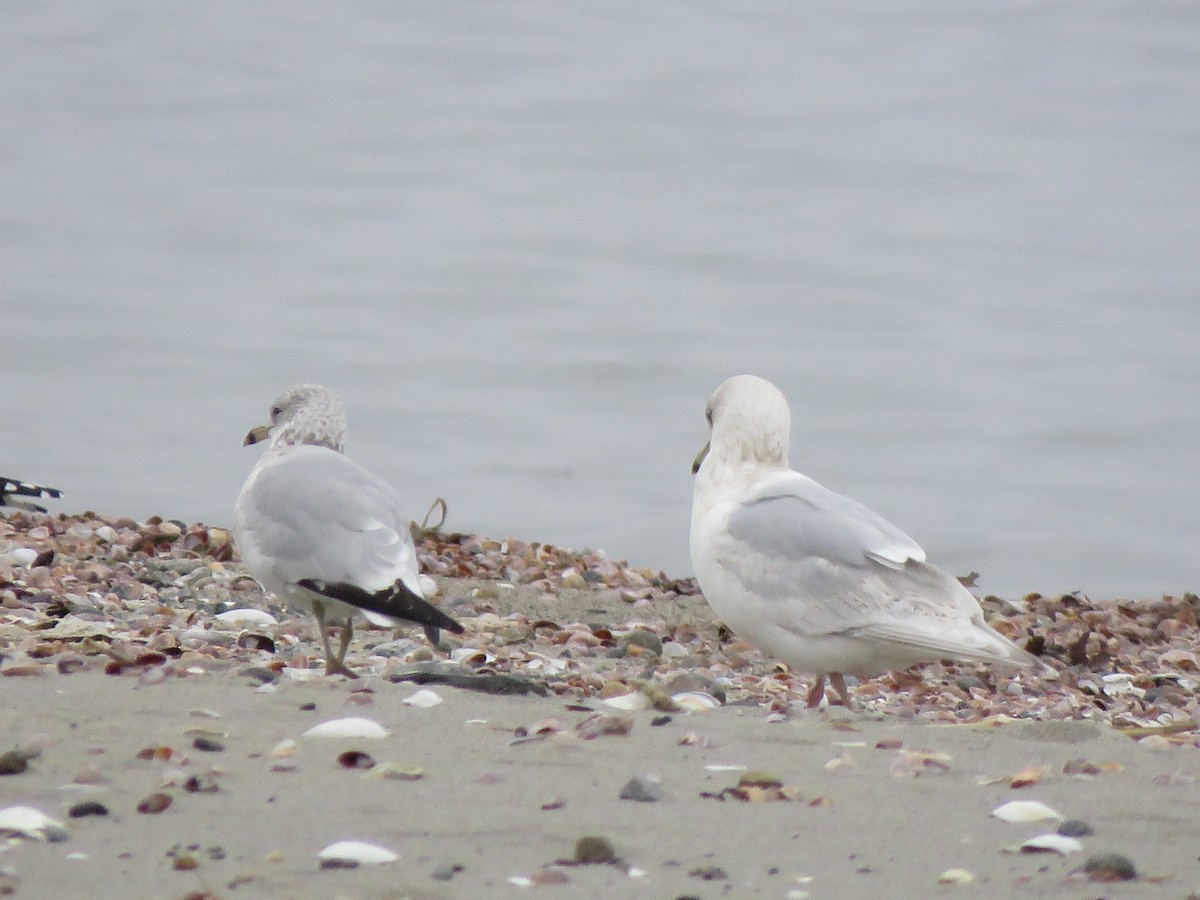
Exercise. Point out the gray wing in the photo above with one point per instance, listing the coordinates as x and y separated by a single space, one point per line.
826 564
791 517
309 512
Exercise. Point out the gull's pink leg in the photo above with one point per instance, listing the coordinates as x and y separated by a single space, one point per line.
817 692
838 681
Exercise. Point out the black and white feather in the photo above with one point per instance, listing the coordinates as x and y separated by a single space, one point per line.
11 488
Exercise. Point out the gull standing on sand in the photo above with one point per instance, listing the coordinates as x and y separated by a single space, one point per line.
319 530
810 576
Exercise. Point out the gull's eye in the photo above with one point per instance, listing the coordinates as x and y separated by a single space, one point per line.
276 412
708 415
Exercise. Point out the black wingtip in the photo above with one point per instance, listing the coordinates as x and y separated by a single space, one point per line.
398 602
12 487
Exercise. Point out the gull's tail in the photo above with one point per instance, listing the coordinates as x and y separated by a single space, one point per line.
397 602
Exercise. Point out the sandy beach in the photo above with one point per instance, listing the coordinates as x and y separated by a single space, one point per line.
127 690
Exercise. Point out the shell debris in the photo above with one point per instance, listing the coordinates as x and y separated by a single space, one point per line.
27 822
350 727
351 854
1026 811
422 699
1051 843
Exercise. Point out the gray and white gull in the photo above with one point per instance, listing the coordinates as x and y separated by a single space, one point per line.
320 531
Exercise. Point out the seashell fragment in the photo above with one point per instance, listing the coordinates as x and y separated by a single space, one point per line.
350 727
695 701
286 747
471 656
27 822
1051 843
599 724
1028 776
22 556
395 772
630 702
240 618
154 803
422 699
1109 867
351 854
1026 811
956 876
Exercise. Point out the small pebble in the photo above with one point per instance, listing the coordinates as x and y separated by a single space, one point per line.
643 638
356 759
154 803
594 848
13 762
208 744
1075 828
200 784
87 808
1109 867
261 674
644 788
446 872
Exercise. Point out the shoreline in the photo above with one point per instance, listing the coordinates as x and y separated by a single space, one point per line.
116 644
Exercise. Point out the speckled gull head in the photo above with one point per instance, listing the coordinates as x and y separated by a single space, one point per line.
304 414
749 423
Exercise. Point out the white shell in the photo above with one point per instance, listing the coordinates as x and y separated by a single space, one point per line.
428 586
22 556
243 617
1026 811
1120 683
539 662
1051 843
630 702
422 699
695 701
25 821
358 852
352 727
395 772
956 876
472 655
722 767
74 628
286 747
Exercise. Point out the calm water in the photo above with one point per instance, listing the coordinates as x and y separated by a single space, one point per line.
526 241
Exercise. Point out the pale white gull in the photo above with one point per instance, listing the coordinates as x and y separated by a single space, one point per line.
319 530
809 576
